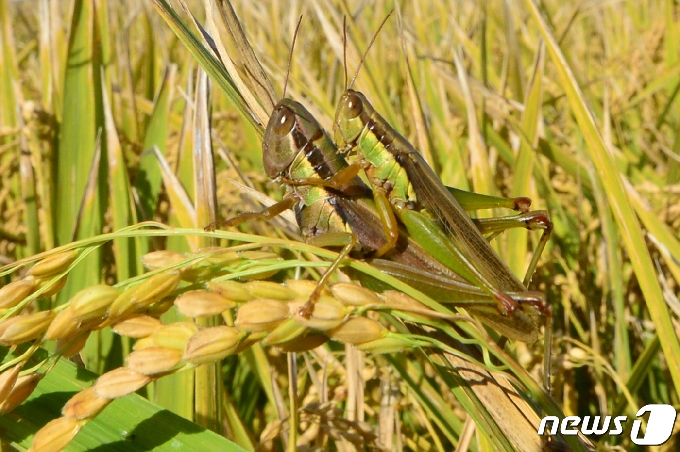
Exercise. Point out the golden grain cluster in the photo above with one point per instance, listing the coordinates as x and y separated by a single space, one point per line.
266 313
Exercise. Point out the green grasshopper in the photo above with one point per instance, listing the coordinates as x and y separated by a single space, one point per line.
401 178
297 149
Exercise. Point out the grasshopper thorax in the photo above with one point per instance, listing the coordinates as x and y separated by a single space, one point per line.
290 129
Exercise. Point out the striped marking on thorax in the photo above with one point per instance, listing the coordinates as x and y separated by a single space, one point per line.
384 134
312 153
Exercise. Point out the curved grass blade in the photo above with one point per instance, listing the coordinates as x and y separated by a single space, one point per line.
524 165
211 64
618 200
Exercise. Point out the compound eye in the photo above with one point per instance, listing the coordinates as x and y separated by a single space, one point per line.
285 122
354 105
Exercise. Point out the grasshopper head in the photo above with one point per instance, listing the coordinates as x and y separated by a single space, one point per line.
348 122
289 129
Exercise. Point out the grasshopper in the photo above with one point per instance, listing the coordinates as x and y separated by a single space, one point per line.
400 177
296 149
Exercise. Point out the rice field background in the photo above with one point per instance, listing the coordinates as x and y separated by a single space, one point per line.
116 150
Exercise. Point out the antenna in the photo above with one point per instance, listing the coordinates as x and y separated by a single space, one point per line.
290 58
370 44
344 46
